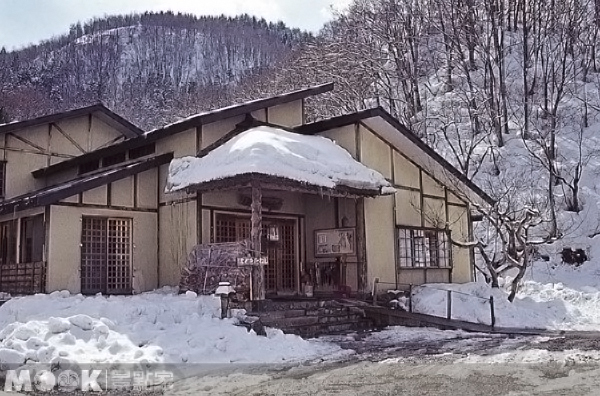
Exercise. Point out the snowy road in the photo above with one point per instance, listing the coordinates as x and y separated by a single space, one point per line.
416 362
400 378
477 365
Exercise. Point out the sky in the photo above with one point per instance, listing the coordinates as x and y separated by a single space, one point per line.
24 22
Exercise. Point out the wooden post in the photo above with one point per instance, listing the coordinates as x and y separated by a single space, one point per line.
258 271
449 305
361 247
493 314
410 298
375 282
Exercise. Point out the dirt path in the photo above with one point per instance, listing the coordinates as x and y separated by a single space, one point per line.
399 377
414 368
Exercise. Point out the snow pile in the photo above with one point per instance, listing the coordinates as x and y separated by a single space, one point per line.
551 297
471 303
160 327
314 160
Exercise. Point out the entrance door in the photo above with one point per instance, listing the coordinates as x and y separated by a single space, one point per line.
105 255
278 244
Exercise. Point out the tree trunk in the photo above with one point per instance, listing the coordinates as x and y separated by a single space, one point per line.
514 287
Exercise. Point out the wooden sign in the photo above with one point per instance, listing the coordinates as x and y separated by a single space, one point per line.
335 242
243 261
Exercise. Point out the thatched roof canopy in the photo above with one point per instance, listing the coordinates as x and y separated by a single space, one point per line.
279 160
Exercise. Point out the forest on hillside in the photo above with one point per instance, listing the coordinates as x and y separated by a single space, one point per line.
151 68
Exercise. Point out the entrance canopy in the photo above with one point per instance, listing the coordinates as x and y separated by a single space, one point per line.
279 159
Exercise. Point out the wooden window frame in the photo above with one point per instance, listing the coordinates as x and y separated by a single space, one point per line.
423 247
107 255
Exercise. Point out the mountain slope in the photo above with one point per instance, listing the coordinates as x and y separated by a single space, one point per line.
151 68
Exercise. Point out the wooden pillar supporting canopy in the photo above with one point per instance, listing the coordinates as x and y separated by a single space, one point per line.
361 247
258 271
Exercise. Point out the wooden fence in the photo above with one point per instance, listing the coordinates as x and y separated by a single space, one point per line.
23 278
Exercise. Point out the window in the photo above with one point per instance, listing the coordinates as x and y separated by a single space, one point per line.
106 255
113 159
8 242
2 179
142 151
32 239
423 247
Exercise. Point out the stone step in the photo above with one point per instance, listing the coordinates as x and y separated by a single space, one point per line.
316 330
307 320
290 313
312 317
284 305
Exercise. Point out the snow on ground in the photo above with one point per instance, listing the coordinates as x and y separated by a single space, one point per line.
315 160
535 355
159 326
552 296
396 335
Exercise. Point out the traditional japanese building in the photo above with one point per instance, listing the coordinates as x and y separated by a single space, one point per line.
87 205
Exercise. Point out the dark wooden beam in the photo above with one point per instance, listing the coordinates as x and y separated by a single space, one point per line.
68 137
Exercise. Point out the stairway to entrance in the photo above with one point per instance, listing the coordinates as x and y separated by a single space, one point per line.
312 317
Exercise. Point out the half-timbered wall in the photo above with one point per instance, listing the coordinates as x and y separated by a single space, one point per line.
64 251
32 148
420 201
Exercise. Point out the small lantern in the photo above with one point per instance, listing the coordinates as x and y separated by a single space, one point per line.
224 291
273 233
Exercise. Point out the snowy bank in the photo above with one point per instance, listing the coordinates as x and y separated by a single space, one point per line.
160 327
558 296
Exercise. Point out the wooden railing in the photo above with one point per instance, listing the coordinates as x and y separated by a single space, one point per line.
409 290
23 278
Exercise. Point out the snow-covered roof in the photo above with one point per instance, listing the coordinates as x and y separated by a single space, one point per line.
264 150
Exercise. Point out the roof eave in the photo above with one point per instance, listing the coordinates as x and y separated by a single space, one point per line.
45 197
271 182
126 127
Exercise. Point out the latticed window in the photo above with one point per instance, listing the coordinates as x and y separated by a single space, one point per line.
106 255
423 247
280 273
